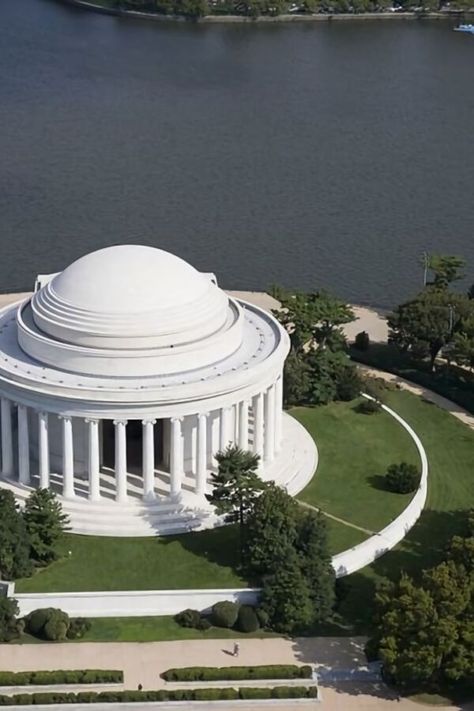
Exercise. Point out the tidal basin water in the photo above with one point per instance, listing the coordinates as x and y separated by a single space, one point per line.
317 155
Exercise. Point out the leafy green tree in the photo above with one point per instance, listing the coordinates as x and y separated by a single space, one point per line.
272 530
431 320
315 562
286 597
296 379
14 540
46 524
10 626
402 478
446 268
236 485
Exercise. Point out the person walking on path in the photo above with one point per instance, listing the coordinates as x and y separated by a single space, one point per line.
236 649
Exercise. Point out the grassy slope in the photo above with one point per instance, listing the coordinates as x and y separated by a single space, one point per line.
450 448
354 452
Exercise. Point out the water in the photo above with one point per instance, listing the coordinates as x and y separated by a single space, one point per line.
310 155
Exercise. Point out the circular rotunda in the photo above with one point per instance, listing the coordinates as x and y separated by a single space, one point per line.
120 379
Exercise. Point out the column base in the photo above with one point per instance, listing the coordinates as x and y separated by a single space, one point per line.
149 497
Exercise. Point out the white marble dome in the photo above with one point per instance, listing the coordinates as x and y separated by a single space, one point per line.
120 379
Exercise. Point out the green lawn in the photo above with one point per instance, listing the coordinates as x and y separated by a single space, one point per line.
450 448
147 629
206 559
354 453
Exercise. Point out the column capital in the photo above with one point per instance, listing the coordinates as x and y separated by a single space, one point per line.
91 420
120 422
65 418
42 413
203 414
176 419
148 421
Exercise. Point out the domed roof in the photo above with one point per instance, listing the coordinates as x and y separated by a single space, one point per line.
129 279
129 296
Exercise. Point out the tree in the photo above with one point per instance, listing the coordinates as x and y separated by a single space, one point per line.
446 269
10 627
315 562
286 597
402 478
425 631
45 524
296 379
236 485
271 531
14 541
429 320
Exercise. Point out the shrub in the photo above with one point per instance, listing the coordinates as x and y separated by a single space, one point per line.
247 620
269 671
78 627
253 693
10 627
61 676
402 478
57 626
349 384
368 407
262 616
36 620
188 618
224 614
203 624
362 341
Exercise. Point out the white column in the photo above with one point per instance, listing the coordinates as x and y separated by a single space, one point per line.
225 421
68 458
43 450
257 406
93 459
244 425
23 446
235 416
7 440
148 460
121 460
176 456
278 413
269 443
201 471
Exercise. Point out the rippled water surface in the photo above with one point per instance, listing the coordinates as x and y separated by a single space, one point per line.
316 155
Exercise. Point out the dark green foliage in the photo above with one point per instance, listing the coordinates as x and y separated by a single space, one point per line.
315 562
368 407
203 624
296 380
45 524
10 626
446 268
14 540
236 485
425 630
362 341
348 384
287 550
247 620
269 671
402 478
113 697
48 623
224 614
262 617
188 618
78 626
61 676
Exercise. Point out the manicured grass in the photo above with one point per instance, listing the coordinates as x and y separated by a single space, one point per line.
147 629
354 453
206 559
450 448
342 537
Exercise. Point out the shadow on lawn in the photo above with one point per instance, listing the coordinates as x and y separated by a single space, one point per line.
220 546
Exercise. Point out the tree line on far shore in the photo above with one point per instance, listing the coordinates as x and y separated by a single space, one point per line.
255 8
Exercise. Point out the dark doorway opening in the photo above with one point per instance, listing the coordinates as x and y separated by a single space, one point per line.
134 445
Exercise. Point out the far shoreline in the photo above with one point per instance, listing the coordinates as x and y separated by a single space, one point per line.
453 16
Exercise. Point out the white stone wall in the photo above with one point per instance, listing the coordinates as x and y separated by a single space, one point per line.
138 603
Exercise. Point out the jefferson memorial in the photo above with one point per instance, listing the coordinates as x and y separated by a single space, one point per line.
120 379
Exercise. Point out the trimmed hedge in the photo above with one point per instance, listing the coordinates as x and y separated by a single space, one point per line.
269 671
61 676
89 697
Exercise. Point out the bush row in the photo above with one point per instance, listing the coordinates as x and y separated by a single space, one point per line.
61 676
269 671
89 697
226 614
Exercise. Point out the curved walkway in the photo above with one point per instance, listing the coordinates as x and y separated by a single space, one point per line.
456 410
